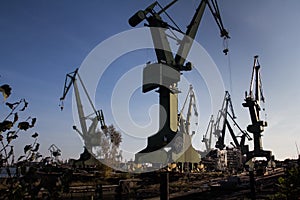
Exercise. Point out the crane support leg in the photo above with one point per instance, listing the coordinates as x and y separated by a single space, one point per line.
167 126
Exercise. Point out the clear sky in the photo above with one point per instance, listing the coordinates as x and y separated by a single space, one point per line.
41 41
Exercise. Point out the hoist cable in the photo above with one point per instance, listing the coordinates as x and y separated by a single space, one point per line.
164 10
230 74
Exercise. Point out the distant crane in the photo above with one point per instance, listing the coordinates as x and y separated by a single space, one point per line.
222 123
87 134
221 120
55 152
207 138
252 102
298 153
168 67
183 138
184 124
297 149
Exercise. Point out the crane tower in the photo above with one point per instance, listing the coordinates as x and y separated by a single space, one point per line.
165 74
252 102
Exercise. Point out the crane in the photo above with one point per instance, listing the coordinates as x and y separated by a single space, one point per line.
208 134
71 79
183 151
222 123
184 125
165 74
184 135
55 152
252 102
297 148
221 120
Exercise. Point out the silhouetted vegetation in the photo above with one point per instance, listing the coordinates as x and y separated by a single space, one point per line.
23 178
289 185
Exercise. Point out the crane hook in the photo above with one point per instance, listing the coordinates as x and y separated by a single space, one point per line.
225 45
61 105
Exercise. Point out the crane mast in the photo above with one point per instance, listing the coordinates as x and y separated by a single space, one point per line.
252 102
165 74
80 109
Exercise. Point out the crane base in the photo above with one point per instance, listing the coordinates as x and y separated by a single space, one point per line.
260 153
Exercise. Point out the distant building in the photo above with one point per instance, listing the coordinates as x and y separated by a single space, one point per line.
234 159
215 160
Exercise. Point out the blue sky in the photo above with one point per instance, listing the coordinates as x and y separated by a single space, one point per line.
41 41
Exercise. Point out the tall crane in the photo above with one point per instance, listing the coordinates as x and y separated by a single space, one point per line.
165 74
252 102
71 79
207 138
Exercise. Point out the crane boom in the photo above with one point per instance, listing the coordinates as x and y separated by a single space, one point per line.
69 80
214 8
190 34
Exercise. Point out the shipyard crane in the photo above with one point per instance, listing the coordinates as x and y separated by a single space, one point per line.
207 138
183 151
184 135
222 123
87 134
252 102
221 120
55 152
184 124
165 74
